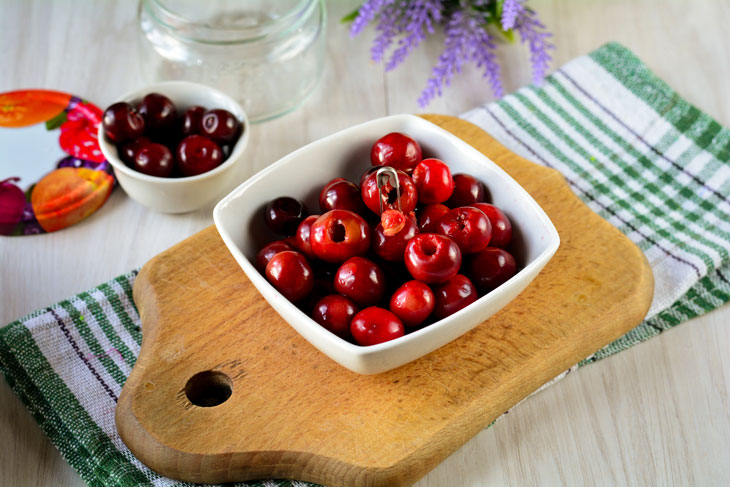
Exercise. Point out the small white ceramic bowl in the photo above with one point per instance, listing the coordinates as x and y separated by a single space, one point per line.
179 195
301 174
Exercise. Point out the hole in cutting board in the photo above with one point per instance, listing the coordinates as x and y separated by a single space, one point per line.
209 388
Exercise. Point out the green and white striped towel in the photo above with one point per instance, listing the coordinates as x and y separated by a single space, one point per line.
630 147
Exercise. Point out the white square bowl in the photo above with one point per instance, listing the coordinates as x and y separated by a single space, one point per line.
301 174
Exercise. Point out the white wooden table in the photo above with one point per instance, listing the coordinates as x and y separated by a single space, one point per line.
657 414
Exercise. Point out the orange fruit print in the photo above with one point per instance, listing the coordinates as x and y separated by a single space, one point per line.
29 107
68 195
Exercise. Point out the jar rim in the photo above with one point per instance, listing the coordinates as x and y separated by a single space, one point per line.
207 34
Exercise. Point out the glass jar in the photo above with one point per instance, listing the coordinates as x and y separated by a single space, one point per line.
267 54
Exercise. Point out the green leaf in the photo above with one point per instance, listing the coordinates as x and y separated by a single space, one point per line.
350 17
28 192
17 229
508 34
56 121
499 7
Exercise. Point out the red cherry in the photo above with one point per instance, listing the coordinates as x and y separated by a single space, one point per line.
361 280
191 120
408 194
338 235
432 258
335 312
197 154
453 295
154 160
301 238
501 226
370 170
122 122
159 114
375 325
396 150
432 178
128 150
430 216
467 191
324 275
283 215
389 243
413 302
341 194
268 251
468 227
490 268
220 125
290 273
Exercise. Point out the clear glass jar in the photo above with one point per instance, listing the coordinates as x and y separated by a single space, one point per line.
267 54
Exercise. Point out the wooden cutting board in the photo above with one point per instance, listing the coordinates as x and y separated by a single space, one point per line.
294 413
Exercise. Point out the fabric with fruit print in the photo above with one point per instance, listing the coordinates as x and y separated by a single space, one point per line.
79 133
58 193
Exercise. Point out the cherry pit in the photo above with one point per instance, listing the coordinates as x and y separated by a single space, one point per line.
157 138
406 245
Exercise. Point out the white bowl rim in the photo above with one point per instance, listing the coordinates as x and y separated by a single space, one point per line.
362 351
109 149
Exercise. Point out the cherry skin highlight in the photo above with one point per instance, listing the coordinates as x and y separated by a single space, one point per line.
453 295
290 273
430 216
159 113
501 226
413 302
375 325
283 215
197 154
468 227
491 268
361 280
341 194
220 125
301 237
128 150
433 181
390 243
191 120
338 235
432 258
154 160
396 150
122 122
268 251
334 313
467 191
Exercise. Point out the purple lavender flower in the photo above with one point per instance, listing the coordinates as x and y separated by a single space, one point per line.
532 31
466 40
510 10
366 13
420 15
465 23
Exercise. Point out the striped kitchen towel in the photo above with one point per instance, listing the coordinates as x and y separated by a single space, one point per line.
639 155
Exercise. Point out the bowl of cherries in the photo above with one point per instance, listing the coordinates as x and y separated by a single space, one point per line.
175 145
385 241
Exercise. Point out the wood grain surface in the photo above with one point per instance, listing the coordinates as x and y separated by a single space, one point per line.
656 414
296 414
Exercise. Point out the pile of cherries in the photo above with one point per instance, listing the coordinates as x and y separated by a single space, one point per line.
152 139
371 277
